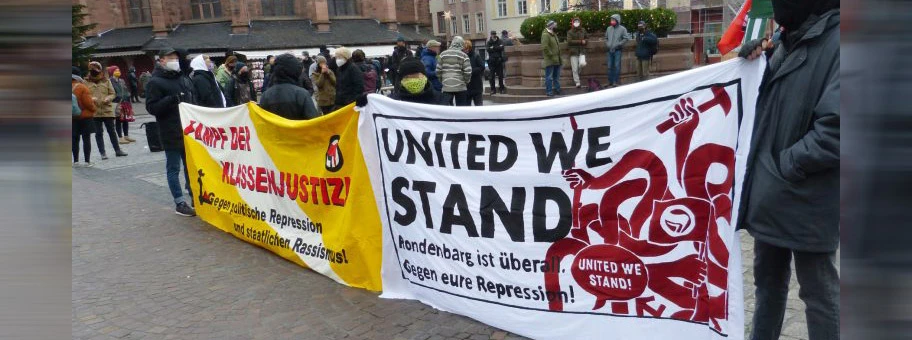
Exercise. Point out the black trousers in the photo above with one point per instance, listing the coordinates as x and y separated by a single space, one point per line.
100 125
475 98
122 127
497 72
460 97
134 95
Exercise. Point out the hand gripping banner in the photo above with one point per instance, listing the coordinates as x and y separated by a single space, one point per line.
603 215
297 188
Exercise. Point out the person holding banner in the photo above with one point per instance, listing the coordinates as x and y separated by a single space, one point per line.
790 202
285 98
414 86
167 89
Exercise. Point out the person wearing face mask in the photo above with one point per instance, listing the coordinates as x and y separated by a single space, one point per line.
647 44
103 94
223 74
576 40
790 201
615 38
206 91
165 92
240 89
414 86
552 59
349 79
325 82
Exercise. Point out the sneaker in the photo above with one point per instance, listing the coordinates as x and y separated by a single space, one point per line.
88 164
104 157
184 210
120 153
77 165
129 139
123 141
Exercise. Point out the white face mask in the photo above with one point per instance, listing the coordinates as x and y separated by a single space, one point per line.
576 24
173 65
340 61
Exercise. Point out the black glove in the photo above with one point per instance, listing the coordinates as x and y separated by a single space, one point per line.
361 101
749 47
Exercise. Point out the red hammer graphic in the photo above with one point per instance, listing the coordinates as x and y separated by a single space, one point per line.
720 97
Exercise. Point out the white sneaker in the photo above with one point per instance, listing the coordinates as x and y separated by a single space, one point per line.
77 165
88 164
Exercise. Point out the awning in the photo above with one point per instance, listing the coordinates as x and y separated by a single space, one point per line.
117 54
262 54
374 51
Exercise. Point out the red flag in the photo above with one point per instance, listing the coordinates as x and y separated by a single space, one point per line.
735 32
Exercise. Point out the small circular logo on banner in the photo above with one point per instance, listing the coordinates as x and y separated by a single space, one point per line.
610 272
334 155
678 220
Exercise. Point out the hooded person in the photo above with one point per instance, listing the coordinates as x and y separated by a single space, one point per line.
83 125
103 94
165 92
206 90
285 98
349 79
455 72
414 86
615 38
240 88
790 198
647 46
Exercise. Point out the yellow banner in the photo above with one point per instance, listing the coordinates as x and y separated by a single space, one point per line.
297 188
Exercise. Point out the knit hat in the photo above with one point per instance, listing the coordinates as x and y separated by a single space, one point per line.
400 38
494 32
433 43
343 52
410 65
551 24
238 66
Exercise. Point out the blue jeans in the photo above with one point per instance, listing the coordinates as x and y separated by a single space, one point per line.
614 67
174 159
552 76
818 282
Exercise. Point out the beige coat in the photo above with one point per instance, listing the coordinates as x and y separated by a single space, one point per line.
104 94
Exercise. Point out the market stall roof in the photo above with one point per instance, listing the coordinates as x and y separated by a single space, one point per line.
121 38
196 37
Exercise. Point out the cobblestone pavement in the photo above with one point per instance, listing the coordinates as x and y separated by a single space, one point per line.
142 272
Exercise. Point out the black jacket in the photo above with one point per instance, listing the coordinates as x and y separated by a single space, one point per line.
349 84
164 92
230 95
645 44
285 98
132 81
428 96
399 53
476 85
206 91
495 51
791 190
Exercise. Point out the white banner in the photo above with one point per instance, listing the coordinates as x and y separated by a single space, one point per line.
603 215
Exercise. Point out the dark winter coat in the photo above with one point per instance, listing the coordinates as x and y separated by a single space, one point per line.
429 59
206 90
132 81
791 190
285 98
428 96
349 84
165 91
231 93
476 85
399 53
495 51
646 42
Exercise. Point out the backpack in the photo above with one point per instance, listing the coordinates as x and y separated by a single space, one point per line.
594 85
370 78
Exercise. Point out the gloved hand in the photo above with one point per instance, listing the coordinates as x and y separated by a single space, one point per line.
361 101
753 49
